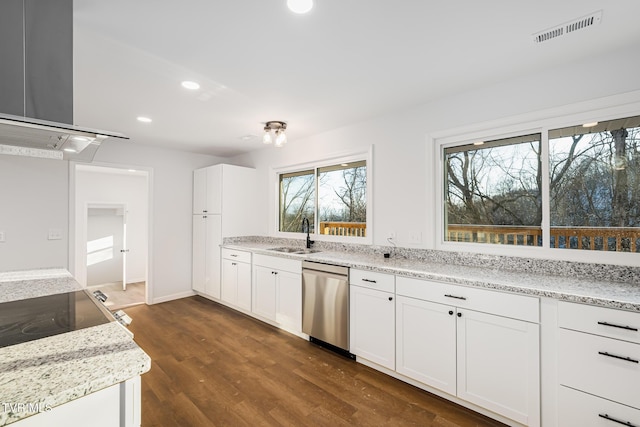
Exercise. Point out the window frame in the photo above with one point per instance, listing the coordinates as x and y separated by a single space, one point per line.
348 157
539 122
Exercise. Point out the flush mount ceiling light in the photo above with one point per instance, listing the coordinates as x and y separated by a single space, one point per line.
300 6
144 119
190 85
274 131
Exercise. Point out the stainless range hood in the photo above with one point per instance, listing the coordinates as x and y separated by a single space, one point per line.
36 83
24 136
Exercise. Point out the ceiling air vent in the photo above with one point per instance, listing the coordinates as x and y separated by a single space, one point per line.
569 27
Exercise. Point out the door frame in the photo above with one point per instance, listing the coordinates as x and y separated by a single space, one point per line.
110 205
78 226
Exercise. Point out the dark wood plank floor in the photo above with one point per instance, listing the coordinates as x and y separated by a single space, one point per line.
212 366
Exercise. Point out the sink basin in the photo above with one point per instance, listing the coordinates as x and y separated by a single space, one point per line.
294 250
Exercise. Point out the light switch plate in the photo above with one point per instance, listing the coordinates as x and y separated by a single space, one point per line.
55 234
1 236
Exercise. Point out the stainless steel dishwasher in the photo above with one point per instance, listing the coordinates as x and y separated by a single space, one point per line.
325 304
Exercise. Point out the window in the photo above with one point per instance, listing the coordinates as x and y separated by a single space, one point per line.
499 192
333 198
594 186
492 192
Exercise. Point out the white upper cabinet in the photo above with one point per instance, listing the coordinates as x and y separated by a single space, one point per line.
207 190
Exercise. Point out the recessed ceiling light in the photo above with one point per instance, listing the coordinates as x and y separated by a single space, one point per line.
187 84
300 6
131 170
144 119
590 125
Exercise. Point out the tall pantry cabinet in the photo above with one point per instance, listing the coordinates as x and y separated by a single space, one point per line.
223 206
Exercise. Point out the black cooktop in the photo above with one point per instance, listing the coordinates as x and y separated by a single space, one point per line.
35 318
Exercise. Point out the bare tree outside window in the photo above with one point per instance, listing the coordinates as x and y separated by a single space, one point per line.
492 192
336 195
297 200
595 186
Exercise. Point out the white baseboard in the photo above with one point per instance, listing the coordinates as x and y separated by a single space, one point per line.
172 297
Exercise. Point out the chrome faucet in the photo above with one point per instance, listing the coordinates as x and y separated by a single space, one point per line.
305 221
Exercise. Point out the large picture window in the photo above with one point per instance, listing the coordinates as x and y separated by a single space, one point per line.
594 187
492 192
333 198
495 192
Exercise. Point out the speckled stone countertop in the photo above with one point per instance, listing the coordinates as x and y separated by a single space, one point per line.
55 370
575 282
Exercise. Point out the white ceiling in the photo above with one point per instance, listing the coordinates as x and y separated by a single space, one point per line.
345 61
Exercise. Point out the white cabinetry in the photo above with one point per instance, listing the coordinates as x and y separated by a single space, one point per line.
236 278
277 291
223 206
115 406
598 366
372 317
206 255
479 345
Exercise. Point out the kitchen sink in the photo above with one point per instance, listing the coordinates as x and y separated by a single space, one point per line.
294 250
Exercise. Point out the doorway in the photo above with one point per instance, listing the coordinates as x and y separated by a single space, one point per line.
111 233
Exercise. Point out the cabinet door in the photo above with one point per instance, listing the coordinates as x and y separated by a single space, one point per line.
244 285
200 191
214 240
229 292
499 365
199 254
264 292
426 342
372 328
289 306
214 189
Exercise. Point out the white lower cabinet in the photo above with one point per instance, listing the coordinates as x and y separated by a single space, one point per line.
236 278
264 292
372 318
277 291
115 406
598 366
426 342
576 408
487 359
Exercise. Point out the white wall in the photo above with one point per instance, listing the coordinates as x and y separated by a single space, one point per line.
171 216
95 187
403 160
33 200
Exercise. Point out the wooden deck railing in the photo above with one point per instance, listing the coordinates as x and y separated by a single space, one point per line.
335 228
591 238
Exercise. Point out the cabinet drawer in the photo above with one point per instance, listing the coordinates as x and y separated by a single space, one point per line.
493 302
235 255
372 279
607 322
277 263
580 409
601 366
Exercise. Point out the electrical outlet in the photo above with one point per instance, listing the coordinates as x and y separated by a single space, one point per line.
55 234
416 237
1 236
392 235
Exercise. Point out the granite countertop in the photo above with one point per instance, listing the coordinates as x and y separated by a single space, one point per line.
613 294
55 370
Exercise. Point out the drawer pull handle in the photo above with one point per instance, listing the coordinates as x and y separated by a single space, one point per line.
629 328
628 359
455 296
624 423
369 280
234 255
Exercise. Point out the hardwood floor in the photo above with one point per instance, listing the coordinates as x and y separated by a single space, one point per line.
212 366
